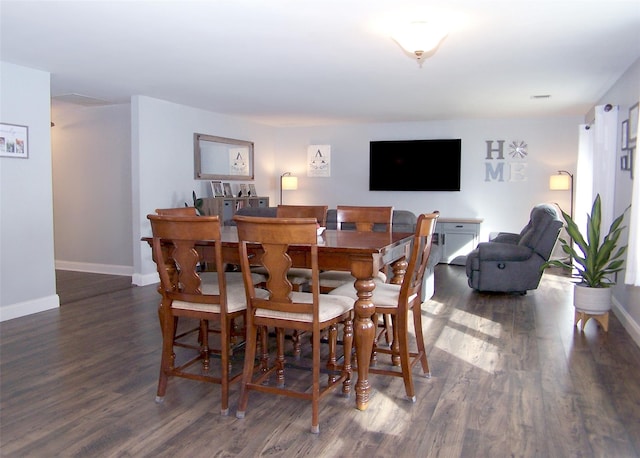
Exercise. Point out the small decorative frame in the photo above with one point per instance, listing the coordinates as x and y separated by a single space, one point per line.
625 134
244 191
252 190
624 162
216 189
227 190
633 125
14 141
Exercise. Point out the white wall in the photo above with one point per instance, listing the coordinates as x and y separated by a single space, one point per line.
504 206
625 93
27 273
163 169
91 148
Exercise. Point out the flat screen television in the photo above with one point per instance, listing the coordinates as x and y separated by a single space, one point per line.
415 165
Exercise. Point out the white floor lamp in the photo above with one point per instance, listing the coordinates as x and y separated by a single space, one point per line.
288 182
563 181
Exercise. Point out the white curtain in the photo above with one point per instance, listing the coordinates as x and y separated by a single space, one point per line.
632 275
605 161
596 168
584 177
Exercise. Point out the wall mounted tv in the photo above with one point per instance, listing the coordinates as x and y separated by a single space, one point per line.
415 165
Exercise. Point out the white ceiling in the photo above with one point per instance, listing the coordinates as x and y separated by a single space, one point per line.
304 62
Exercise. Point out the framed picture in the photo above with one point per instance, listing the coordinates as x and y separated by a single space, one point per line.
625 134
244 191
216 189
14 141
227 190
624 162
252 190
633 125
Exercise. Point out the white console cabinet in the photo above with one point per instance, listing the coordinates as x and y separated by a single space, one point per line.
457 236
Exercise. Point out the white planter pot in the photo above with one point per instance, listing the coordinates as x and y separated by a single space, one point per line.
594 301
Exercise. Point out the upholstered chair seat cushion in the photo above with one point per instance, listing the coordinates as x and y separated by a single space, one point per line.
329 307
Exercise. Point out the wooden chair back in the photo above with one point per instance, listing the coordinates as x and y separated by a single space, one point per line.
319 212
178 211
364 218
274 235
411 288
174 249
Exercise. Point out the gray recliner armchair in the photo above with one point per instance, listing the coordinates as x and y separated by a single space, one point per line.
511 262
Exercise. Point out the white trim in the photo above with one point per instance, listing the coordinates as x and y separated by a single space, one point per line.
627 321
144 280
9 312
94 268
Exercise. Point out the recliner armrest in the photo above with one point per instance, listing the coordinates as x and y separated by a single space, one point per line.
496 251
507 237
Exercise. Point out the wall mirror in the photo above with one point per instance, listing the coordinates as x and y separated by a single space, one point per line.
219 158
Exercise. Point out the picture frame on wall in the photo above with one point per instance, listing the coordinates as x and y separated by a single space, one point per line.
624 139
227 190
14 141
632 127
216 189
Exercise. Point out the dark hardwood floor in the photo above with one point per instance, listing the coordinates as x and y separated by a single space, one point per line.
512 376
73 286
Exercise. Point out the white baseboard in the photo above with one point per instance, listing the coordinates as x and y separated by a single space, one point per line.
12 311
95 268
144 280
632 327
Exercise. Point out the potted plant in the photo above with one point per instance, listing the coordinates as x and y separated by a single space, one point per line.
198 203
595 262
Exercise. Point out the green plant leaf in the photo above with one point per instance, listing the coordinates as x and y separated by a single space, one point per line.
593 261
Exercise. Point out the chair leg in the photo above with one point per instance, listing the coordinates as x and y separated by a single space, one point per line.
400 324
315 390
374 354
204 346
168 357
247 372
264 349
332 361
347 345
225 345
395 345
280 358
417 323
297 343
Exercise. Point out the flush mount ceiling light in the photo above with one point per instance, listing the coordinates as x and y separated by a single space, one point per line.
420 39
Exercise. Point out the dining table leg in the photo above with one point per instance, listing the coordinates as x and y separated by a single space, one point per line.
363 329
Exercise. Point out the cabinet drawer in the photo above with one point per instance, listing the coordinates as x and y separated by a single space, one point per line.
458 227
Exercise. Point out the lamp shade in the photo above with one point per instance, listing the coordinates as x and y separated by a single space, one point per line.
559 182
289 183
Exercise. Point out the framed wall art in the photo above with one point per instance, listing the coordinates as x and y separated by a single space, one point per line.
633 125
624 139
14 141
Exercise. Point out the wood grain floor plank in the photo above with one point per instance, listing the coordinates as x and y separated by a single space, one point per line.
511 376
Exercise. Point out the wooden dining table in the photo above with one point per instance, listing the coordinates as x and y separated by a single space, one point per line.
361 253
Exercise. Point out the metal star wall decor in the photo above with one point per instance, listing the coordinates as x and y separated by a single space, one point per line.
518 148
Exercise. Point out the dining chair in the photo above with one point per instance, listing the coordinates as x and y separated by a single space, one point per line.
319 212
188 293
360 218
401 300
177 211
300 277
202 266
280 307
